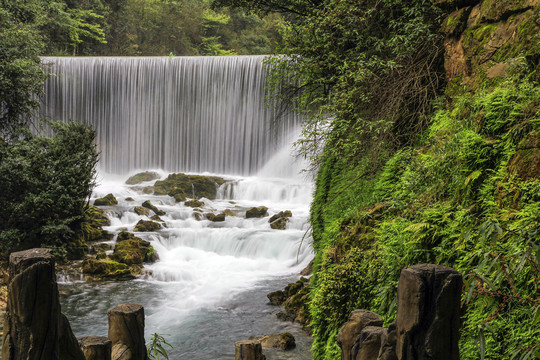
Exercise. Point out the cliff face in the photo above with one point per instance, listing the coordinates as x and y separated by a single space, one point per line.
466 195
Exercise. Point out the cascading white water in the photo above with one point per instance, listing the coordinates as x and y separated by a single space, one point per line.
192 115
196 114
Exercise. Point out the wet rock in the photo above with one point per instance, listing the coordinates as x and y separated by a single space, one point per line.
229 212
308 269
257 212
276 297
108 200
388 343
197 216
428 314
358 320
106 269
181 186
194 203
131 252
141 211
97 248
142 177
281 214
526 161
156 218
147 204
130 199
279 224
96 347
147 226
148 190
215 218
249 350
126 332
283 341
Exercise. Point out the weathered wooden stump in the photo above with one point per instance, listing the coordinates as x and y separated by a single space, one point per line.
428 313
249 350
34 327
350 331
96 347
126 331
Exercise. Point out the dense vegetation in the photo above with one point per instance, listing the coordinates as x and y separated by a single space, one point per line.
45 182
413 170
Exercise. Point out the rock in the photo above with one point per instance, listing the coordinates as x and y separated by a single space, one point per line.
257 212
388 343
157 218
96 347
284 316
276 297
283 341
34 328
308 269
126 332
348 333
249 350
368 343
147 204
101 255
141 211
108 200
181 186
148 190
197 216
428 313
130 199
194 203
215 218
131 252
97 248
142 177
281 214
279 224
147 226
106 269
229 212
526 161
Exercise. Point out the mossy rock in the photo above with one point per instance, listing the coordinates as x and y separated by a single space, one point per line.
129 198
181 186
106 269
194 203
147 226
96 248
284 341
279 224
526 161
131 252
147 204
276 297
257 212
197 216
215 218
108 200
142 177
229 212
141 211
156 218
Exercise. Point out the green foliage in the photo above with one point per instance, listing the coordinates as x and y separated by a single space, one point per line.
45 184
452 199
156 347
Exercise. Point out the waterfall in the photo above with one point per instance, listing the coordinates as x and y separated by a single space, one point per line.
192 114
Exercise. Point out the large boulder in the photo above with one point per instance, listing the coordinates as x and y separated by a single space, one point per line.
180 186
349 332
428 313
194 203
139 210
368 343
107 200
147 204
147 226
283 341
142 177
106 269
215 218
133 251
257 212
276 297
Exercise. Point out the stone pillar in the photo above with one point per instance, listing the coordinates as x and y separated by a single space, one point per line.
33 309
96 347
428 313
34 327
350 331
368 343
126 331
249 350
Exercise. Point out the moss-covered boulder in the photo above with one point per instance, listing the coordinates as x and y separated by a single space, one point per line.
279 221
139 210
106 269
147 204
295 299
147 226
215 218
129 198
107 200
229 212
283 341
142 177
131 252
181 186
194 203
257 212
156 218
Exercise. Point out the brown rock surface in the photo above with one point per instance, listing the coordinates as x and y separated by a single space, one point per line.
349 332
126 331
249 350
96 347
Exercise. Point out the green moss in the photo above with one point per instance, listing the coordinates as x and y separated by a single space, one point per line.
142 177
108 200
147 226
106 269
181 186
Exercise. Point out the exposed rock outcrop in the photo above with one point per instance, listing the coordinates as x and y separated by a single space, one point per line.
147 204
282 341
139 210
351 330
180 186
142 177
147 226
